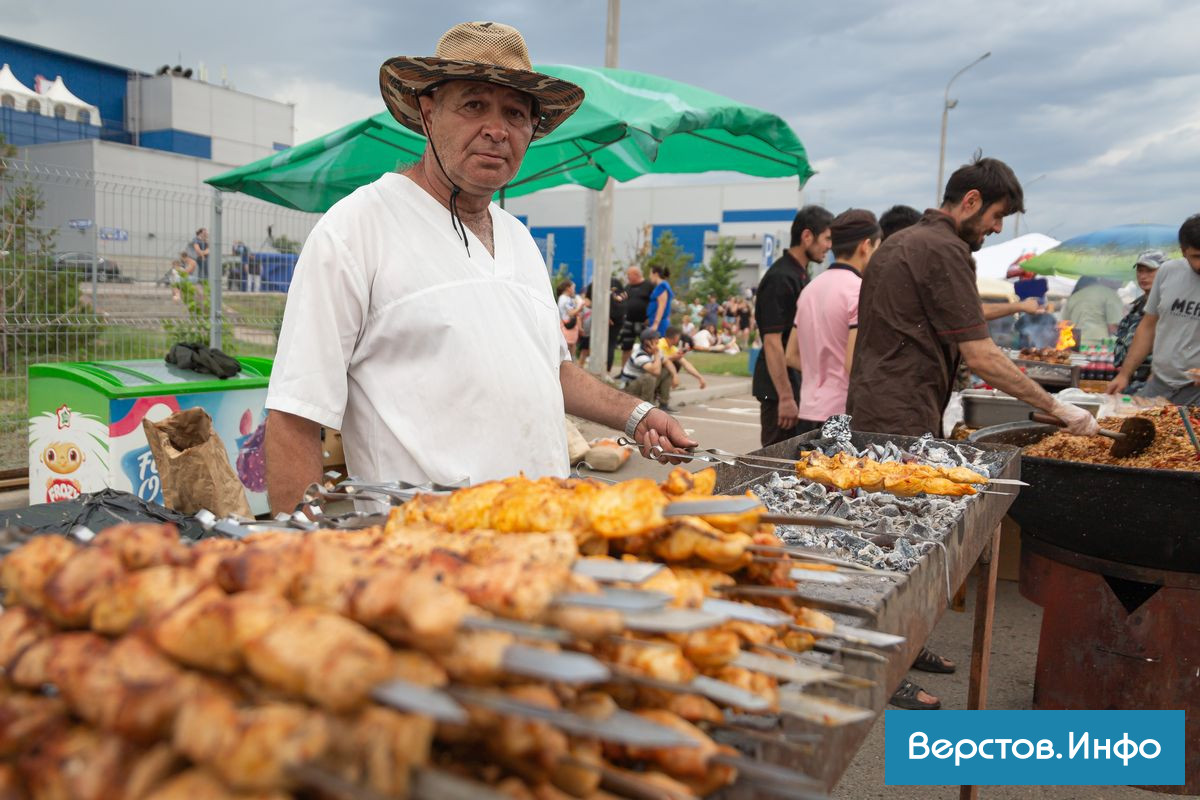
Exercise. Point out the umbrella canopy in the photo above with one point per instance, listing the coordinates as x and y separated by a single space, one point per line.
630 124
1107 253
994 261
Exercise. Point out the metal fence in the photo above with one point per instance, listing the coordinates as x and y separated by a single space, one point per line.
93 267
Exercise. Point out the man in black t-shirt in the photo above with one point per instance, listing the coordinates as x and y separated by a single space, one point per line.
777 387
637 301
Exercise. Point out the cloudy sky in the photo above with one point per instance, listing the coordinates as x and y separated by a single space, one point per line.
1099 96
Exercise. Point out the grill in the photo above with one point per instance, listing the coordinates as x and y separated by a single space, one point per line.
908 604
1111 555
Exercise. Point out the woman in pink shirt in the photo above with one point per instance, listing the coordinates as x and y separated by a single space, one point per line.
827 320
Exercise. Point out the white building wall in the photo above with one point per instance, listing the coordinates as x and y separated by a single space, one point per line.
242 127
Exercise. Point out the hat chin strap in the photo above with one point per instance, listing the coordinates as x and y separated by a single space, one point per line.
455 220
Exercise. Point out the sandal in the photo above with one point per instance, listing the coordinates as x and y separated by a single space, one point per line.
907 696
929 661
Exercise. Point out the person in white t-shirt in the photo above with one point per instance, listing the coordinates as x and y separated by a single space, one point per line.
420 321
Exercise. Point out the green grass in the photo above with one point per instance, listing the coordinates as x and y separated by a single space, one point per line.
721 363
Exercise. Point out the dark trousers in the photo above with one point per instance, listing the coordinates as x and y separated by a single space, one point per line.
653 388
772 433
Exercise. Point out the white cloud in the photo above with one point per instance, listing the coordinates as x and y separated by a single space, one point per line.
324 106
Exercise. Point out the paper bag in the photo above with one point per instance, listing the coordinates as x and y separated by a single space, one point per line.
193 467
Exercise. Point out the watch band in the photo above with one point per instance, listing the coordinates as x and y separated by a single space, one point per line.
635 418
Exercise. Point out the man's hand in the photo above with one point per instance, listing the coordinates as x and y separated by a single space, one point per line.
1079 422
660 429
1117 385
704 385
1194 374
1030 305
789 413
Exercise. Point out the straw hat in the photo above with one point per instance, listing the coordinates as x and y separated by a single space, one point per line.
476 51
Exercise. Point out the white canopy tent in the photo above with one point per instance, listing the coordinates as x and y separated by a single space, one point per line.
992 263
16 95
60 99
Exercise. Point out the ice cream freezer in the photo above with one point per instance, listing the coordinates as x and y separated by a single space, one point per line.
85 424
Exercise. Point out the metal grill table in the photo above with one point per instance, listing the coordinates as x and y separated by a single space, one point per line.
908 604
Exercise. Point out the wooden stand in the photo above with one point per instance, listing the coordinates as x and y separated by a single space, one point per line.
981 641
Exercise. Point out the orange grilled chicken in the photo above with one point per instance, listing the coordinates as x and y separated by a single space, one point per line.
903 480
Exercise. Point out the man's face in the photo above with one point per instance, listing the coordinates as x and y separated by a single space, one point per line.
1192 255
203 234
633 275
816 247
480 131
1145 278
673 340
982 224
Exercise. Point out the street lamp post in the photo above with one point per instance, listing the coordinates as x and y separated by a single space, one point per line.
948 104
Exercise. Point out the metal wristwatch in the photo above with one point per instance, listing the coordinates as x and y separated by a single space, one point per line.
635 418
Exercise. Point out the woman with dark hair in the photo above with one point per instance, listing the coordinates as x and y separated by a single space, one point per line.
569 309
658 313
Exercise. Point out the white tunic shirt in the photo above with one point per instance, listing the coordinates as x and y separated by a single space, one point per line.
435 366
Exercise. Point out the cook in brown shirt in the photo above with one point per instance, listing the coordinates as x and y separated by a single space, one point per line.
919 308
918 301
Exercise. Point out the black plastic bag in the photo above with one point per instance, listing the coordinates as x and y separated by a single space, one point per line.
97 511
203 359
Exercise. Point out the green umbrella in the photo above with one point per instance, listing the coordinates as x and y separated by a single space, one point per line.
630 124
1107 253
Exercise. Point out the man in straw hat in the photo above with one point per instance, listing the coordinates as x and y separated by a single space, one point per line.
420 321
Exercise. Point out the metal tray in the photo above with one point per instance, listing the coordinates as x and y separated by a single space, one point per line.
1050 375
1144 517
983 408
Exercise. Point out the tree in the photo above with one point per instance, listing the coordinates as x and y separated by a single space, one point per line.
32 291
666 253
719 276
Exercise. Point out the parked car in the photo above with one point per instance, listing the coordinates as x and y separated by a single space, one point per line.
107 272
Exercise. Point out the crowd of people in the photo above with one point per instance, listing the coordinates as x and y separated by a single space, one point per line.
882 332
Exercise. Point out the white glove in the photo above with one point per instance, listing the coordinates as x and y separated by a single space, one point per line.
1079 421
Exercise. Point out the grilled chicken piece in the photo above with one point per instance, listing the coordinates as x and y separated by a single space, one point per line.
711 647
689 764
752 632
265 565
476 656
629 508
74 589
588 624
206 555
141 545
25 571
24 718
133 691
321 656
210 629
136 597
378 747
19 628
408 607
534 506
691 538
659 659
762 685
249 748
811 618
201 784
60 660
78 763
11 785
